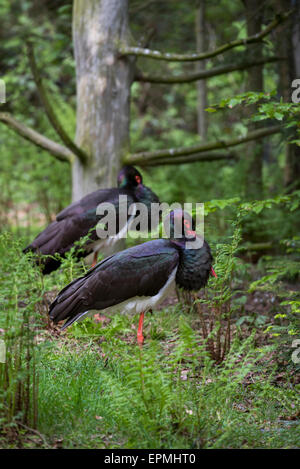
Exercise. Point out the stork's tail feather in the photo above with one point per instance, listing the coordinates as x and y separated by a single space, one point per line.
71 320
68 304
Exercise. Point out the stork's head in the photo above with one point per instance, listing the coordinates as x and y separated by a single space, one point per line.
129 177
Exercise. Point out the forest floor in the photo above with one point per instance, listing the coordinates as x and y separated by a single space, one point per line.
97 389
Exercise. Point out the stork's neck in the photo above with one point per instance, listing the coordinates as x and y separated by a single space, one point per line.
194 265
141 193
145 195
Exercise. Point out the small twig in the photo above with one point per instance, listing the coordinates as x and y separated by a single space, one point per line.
218 351
36 432
226 345
200 312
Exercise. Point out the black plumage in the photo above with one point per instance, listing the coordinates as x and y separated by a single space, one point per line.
140 271
80 219
136 278
194 268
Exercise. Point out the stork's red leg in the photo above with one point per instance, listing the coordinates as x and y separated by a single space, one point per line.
95 258
140 337
212 271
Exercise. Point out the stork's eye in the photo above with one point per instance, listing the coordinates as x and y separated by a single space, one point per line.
187 224
138 179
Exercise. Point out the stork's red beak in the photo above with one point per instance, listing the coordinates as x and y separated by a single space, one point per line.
213 272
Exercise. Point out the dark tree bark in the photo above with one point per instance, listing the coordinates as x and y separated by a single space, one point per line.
288 43
254 150
201 85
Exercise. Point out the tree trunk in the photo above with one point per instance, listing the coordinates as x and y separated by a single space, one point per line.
288 45
293 182
103 92
201 85
253 170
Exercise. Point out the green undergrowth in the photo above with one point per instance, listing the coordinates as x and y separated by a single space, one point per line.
98 390
92 387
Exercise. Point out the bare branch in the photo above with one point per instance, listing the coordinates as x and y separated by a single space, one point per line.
49 109
173 154
205 156
169 57
202 75
59 151
138 8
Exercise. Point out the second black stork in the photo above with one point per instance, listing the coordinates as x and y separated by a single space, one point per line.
80 219
137 279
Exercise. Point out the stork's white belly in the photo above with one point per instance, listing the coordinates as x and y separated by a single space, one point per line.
139 304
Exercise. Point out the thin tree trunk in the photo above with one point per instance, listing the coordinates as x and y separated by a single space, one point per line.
296 38
103 92
288 44
201 85
294 182
254 150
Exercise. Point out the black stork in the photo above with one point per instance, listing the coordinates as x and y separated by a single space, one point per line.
78 219
137 279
